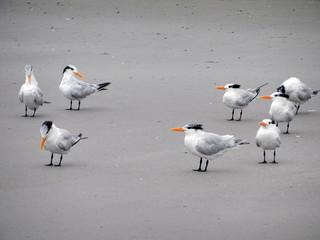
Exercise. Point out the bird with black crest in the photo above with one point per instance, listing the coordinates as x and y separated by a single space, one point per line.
75 89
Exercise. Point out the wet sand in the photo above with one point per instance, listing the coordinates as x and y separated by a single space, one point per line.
132 178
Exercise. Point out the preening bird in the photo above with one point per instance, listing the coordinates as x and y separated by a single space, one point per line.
237 98
268 138
281 109
30 94
207 145
57 140
298 92
75 89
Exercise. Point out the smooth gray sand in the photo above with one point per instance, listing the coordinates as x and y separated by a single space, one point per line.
132 178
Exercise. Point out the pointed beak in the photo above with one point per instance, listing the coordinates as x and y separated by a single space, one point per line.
265 97
262 124
177 129
221 88
29 77
42 142
78 74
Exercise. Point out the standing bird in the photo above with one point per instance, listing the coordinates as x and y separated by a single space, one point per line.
268 138
30 94
75 89
281 109
237 98
206 145
298 92
57 140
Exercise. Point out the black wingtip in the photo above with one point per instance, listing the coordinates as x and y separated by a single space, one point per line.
102 86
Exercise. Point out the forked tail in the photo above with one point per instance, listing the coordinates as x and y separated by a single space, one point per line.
102 86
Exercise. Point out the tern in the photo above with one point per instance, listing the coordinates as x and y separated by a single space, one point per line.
206 145
75 89
281 109
268 138
298 92
57 140
30 94
237 98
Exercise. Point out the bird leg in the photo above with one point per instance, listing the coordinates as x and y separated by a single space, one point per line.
264 157
232 116
50 164
274 157
70 106
79 105
287 132
34 112
26 112
206 166
59 162
199 169
298 107
240 116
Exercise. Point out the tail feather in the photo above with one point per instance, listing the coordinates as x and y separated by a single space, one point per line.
79 138
316 92
257 90
241 141
102 86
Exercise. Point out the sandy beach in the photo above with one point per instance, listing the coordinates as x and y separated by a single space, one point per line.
132 178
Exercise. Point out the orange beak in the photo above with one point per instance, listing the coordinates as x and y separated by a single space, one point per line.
29 77
265 97
78 74
262 124
177 129
221 88
42 142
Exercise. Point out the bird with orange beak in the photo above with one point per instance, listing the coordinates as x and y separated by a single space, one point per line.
57 140
268 138
30 94
237 98
206 145
281 109
75 89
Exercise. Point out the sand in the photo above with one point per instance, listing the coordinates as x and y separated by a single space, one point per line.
132 178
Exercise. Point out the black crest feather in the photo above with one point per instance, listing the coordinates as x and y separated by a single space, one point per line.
195 126
235 86
48 124
66 68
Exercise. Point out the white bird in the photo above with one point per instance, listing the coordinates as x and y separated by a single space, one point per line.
237 98
57 140
268 138
30 94
298 92
75 89
281 109
206 145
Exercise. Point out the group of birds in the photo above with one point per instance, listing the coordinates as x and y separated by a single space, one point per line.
285 105
54 139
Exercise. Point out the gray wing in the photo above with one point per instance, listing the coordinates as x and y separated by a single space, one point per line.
37 96
66 140
245 97
82 89
304 93
213 143
20 95
258 142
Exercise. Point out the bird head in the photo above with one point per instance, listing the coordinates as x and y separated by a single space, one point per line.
228 86
188 128
44 130
70 69
28 71
266 122
275 95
